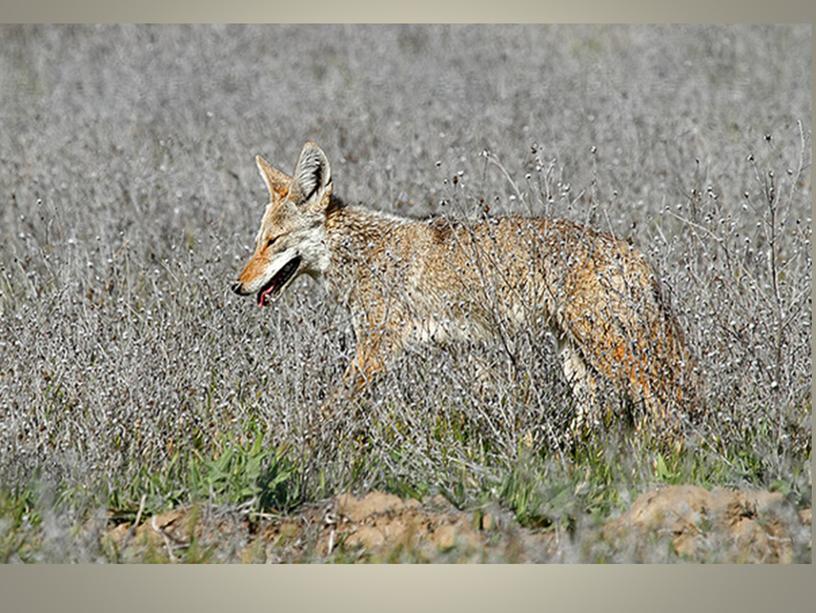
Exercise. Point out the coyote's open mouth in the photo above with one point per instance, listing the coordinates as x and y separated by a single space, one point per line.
271 290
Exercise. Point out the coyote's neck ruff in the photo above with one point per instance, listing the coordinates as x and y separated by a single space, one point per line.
407 282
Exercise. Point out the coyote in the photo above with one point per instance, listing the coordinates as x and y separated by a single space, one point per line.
408 281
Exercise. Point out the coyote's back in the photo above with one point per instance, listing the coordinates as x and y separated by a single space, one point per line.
409 281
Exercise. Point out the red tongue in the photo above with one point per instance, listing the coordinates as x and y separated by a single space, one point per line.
262 297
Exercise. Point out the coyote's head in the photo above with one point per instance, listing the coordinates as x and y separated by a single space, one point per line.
291 239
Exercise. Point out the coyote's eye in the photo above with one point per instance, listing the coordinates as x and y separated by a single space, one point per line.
271 240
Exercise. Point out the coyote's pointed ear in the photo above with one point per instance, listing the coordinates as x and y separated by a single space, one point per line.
278 183
312 175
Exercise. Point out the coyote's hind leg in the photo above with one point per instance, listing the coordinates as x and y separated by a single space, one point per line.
584 386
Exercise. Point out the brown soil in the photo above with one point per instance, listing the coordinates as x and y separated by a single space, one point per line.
697 524
722 525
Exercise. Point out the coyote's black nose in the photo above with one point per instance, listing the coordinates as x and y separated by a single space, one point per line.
236 287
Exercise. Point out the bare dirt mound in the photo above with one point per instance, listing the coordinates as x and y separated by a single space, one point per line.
381 527
377 527
680 522
388 525
718 525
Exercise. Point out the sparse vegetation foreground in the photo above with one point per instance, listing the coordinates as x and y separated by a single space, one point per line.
147 413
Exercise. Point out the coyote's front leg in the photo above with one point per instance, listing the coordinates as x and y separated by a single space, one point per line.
369 361
371 354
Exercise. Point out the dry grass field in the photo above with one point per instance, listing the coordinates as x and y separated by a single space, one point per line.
134 384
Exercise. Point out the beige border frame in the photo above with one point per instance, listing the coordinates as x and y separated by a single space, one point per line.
409 588
417 11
